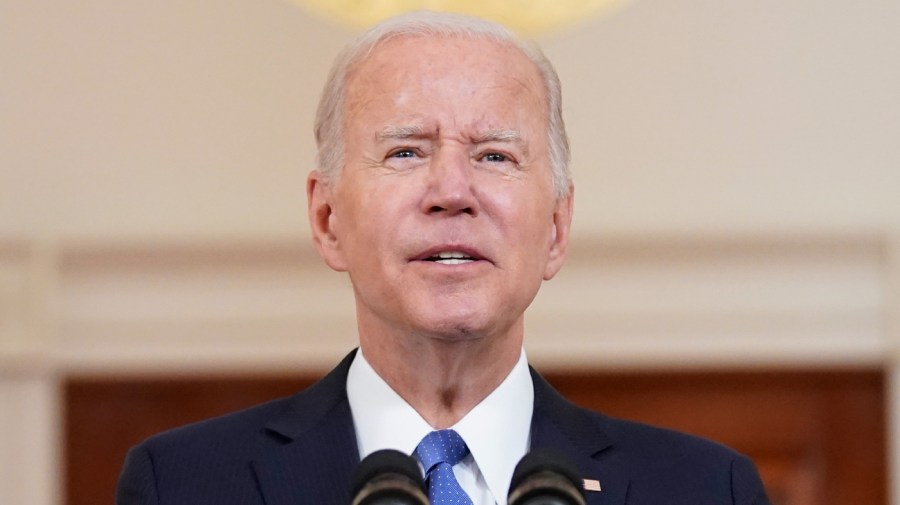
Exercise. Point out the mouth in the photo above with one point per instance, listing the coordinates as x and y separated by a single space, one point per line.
450 256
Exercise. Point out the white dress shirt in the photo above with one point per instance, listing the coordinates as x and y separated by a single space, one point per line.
497 431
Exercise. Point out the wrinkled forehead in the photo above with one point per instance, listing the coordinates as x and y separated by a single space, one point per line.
404 60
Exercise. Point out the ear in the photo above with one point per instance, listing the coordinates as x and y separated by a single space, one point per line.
323 222
562 224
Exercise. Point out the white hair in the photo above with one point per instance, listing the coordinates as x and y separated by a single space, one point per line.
329 122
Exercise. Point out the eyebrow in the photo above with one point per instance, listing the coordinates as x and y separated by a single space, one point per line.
400 133
498 136
508 136
403 132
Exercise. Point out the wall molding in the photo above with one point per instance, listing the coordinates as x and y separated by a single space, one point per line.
620 302
632 303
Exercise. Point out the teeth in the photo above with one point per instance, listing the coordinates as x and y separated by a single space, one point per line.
454 261
452 258
451 254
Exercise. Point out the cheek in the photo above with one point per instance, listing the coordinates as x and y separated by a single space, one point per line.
535 231
368 225
524 214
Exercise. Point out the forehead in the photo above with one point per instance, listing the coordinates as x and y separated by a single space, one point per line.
429 72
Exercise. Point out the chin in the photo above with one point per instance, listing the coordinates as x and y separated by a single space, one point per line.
457 329
469 321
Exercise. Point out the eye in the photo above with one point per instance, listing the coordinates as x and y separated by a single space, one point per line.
403 153
495 157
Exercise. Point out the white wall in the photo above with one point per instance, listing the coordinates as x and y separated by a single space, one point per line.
736 169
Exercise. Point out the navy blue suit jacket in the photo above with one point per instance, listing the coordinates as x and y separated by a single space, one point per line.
302 450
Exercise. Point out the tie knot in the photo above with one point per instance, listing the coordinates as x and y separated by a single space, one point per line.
444 446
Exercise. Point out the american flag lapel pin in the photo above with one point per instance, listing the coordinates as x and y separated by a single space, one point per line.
592 485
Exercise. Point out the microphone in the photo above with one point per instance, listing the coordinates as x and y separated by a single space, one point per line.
388 477
545 477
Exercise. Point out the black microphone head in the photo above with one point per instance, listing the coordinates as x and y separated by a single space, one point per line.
388 476
546 476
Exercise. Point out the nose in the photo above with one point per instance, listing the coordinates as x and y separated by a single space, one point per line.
451 185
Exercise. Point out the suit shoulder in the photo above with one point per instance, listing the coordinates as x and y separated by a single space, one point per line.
650 445
228 430
643 443
188 463
675 460
240 430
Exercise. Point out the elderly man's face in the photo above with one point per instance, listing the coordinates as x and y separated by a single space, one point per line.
444 214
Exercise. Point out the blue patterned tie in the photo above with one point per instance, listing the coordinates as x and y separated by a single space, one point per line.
438 452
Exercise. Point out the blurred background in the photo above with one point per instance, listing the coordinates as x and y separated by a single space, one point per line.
734 271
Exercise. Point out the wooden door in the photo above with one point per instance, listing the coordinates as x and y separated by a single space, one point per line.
818 437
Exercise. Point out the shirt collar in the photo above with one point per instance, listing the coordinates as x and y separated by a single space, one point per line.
497 430
382 418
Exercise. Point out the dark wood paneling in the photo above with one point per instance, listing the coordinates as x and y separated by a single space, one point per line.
818 437
105 417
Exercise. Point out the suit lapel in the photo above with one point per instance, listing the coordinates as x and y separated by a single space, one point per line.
559 425
310 450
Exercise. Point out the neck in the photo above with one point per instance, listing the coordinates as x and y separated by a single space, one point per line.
442 379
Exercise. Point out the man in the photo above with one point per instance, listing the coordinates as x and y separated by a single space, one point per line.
443 191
